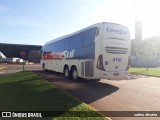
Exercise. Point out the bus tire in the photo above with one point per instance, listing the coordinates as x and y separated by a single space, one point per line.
66 72
74 73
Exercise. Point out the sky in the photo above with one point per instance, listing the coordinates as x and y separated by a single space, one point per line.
36 22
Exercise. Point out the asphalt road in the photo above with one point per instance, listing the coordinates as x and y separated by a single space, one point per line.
137 93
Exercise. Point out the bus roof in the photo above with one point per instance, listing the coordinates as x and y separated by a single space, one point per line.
68 35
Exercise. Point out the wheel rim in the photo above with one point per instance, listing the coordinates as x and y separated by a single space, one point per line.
66 72
75 75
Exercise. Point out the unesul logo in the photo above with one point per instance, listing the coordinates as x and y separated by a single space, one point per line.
118 31
59 55
68 54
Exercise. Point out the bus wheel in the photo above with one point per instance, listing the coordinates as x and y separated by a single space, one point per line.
74 74
66 72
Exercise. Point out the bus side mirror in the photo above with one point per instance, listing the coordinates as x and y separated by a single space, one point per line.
40 52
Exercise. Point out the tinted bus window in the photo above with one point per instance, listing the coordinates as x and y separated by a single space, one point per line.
68 43
47 48
89 36
78 40
61 45
54 47
58 46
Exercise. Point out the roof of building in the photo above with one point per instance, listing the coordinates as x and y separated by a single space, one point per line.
11 44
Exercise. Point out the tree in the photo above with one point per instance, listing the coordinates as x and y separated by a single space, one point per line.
147 50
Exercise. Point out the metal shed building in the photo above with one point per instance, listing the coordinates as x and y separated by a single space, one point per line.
13 50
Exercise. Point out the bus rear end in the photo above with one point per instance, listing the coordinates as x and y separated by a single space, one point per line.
114 52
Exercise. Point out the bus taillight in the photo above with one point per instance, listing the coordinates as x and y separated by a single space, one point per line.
100 63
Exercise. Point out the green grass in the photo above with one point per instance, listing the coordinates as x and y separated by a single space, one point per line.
144 71
25 91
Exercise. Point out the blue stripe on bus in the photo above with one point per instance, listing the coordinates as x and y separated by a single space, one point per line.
82 43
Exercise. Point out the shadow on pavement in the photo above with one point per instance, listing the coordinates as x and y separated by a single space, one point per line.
86 90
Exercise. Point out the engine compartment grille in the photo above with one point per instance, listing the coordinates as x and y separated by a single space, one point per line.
116 50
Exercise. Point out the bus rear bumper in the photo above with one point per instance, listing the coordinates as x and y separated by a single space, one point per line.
114 75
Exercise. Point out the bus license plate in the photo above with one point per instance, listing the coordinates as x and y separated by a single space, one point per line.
116 74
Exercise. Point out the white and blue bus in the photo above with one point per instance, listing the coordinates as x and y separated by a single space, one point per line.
100 51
